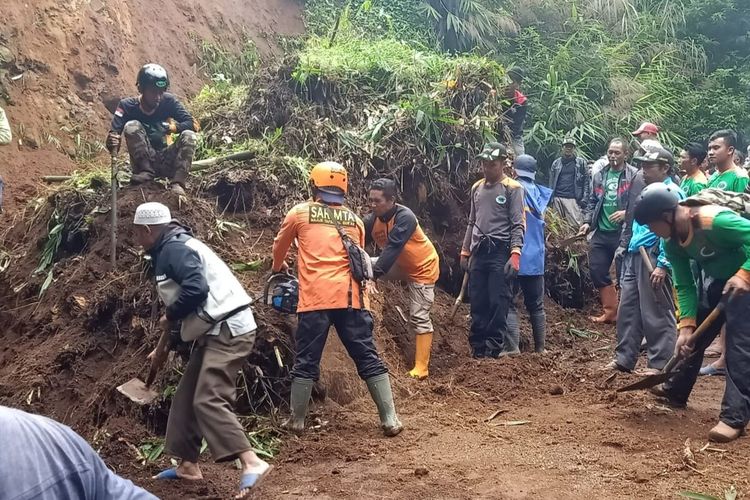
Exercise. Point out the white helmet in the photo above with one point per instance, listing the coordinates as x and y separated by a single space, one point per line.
151 214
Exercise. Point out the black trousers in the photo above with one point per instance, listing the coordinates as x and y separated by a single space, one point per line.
601 253
489 294
354 328
735 406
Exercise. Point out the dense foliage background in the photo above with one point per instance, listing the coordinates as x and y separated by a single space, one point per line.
595 68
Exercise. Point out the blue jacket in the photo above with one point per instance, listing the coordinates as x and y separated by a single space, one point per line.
535 202
643 237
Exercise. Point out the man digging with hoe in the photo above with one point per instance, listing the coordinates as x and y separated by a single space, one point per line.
200 291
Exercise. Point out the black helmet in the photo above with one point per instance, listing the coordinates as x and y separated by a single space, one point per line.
152 75
654 200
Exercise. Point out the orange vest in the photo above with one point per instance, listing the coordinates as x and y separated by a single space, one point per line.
418 258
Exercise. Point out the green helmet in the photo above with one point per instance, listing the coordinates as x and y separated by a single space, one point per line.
152 75
654 201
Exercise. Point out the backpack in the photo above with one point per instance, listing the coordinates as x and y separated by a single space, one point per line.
739 202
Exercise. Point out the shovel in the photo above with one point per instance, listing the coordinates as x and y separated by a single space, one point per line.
141 392
669 370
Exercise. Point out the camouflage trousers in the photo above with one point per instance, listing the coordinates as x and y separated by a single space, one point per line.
172 162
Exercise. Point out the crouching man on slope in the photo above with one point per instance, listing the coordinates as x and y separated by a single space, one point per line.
201 292
329 294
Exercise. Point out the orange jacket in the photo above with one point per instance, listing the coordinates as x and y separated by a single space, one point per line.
322 262
403 243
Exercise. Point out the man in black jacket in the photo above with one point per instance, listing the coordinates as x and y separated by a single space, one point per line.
148 122
200 291
604 217
570 183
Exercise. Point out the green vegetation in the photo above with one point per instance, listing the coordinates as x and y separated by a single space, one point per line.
595 69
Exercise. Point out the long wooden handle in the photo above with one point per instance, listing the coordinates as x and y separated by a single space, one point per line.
159 357
113 231
646 259
460 297
698 333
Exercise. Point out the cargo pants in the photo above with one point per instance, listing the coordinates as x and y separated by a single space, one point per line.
172 162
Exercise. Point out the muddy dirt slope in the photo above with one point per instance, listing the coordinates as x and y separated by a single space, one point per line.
62 63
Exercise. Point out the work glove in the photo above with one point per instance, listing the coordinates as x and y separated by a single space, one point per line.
113 143
169 126
620 252
512 266
464 263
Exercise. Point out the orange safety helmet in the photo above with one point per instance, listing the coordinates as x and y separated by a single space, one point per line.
331 181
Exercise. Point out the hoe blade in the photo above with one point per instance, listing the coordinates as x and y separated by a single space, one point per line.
136 390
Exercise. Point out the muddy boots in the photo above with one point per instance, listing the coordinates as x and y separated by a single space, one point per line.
512 334
422 356
608 296
380 390
538 330
298 401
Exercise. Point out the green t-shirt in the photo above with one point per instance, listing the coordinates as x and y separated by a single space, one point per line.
720 245
734 180
609 206
694 184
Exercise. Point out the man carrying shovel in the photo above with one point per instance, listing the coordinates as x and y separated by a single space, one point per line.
718 239
200 291
407 254
646 304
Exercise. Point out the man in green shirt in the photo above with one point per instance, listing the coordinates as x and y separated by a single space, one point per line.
718 239
604 216
691 157
728 176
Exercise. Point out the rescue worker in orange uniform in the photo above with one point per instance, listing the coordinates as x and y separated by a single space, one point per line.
328 295
408 255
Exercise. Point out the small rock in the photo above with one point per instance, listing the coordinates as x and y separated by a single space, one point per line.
421 472
556 390
6 55
335 471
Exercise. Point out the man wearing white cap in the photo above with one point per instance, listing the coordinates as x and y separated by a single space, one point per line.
200 291
647 137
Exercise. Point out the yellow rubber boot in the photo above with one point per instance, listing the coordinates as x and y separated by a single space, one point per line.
422 356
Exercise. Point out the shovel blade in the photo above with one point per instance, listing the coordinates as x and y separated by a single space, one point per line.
136 390
648 382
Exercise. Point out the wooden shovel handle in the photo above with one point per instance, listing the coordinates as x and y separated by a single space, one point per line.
159 358
646 259
698 332
460 297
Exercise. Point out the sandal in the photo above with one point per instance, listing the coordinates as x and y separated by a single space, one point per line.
251 481
169 474
711 370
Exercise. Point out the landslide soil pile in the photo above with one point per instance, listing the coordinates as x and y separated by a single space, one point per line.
64 66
